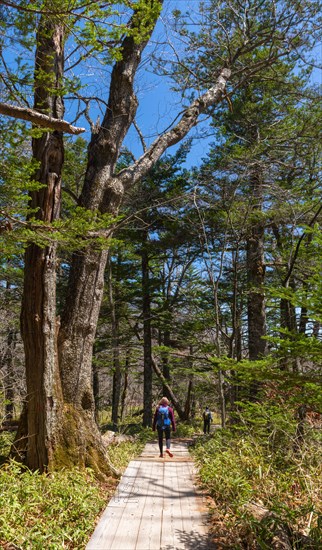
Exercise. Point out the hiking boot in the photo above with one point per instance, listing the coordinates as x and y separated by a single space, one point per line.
161 456
169 453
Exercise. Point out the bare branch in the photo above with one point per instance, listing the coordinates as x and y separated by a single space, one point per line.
129 176
39 119
136 126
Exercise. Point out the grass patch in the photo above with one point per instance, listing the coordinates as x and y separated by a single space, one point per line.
122 452
58 510
48 511
187 429
245 466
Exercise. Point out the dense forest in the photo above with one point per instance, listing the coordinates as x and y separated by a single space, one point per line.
133 267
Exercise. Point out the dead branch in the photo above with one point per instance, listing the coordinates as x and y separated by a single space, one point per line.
39 119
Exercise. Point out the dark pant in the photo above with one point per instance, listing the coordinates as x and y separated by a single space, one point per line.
166 432
206 426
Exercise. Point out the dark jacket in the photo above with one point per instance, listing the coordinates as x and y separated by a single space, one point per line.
207 416
171 416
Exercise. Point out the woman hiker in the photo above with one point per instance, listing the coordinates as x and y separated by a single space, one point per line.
163 420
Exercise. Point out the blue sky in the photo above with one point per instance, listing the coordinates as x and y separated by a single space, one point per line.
159 106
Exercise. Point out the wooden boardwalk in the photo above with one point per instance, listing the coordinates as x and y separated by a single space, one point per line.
155 506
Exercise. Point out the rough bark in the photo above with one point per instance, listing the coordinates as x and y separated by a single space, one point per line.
53 431
38 316
8 363
96 390
102 191
116 390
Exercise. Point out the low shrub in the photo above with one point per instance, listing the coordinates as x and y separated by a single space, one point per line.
186 429
6 439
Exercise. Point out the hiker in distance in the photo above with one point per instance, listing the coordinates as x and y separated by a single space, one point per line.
163 420
207 418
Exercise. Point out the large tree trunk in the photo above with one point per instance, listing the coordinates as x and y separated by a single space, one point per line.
58 425
9 385
102 191
147 341
43 407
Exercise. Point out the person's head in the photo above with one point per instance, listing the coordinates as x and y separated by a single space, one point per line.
207 408
164 401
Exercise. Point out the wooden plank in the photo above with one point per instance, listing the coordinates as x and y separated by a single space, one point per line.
166 459
154 507
151 525
108 525
171 520
127 532
178 448
194 517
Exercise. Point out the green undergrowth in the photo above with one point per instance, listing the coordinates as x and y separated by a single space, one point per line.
6 439
186 429
47 511
120 453
258 466
58 510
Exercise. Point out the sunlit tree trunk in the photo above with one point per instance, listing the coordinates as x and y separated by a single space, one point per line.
43 407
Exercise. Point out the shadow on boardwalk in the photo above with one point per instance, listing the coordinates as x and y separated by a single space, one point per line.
155 507
192 541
